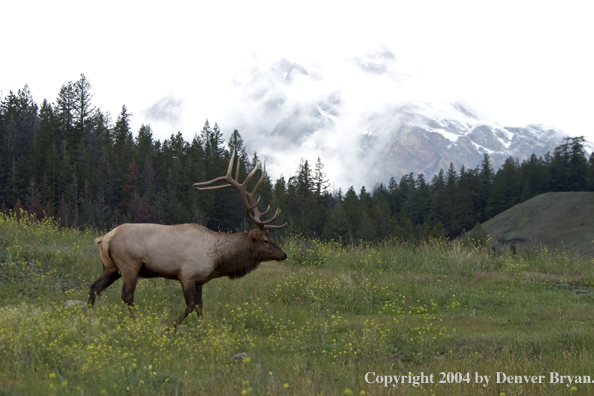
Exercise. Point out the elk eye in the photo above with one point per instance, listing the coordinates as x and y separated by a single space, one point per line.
266 241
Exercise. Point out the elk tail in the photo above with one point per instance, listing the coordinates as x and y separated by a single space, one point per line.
105 251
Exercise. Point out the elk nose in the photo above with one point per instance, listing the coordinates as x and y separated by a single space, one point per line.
284 258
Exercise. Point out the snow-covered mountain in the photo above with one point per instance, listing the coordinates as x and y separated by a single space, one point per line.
364 134
424 138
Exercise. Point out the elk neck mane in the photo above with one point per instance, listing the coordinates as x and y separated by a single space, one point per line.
238 255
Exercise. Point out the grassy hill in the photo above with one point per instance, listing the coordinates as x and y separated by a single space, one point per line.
556 220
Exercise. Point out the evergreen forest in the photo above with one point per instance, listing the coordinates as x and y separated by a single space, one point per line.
72 161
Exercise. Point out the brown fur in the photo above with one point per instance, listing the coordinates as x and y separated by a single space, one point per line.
190 253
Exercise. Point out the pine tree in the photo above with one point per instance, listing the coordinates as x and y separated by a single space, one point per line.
569 165
393 196
122 135
305 182
212 143
19 123
65 105
300 199
449 204
381 217
422 201
578 164
130 187
406 197
83 110
353 211
205 139
236 145
279 199
320 183
486 175
466 210
439 200
44 137
506 191
216 141
337 226
321 199
534 177
366 230
122 143
144 144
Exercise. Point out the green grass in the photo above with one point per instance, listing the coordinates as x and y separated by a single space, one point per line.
314 324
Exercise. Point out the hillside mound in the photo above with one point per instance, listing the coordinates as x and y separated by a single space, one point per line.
561 220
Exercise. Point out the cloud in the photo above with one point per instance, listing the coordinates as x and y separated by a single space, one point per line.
295 108
376 62
168 110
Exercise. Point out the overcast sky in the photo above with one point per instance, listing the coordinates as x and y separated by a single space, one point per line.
175 64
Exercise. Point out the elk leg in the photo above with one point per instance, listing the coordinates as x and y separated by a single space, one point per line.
102 283
128 290
199 300
190 296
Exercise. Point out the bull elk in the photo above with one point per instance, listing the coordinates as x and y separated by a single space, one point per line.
190 253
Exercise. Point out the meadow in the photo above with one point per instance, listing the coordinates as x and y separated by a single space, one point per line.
316 324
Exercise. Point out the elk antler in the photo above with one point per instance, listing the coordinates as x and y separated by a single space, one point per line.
250 203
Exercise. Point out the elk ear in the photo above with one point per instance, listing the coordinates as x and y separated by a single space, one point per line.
255 234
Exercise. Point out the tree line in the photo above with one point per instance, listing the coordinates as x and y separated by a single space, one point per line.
72 161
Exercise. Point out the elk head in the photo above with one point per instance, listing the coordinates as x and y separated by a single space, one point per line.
264 246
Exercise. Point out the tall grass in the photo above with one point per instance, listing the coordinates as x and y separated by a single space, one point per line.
314 324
